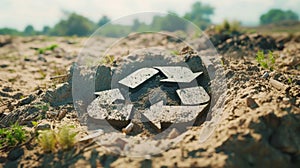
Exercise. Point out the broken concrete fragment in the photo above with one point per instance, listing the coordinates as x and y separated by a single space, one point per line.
178 74
173 114
128 128
97 110
27 100
109 96
138 77
119 112
153 114
193 95
179 114
103 78
278 85
61 95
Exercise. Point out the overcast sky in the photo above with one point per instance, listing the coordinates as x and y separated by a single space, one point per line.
19 13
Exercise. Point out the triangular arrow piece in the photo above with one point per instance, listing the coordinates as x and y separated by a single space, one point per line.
178 74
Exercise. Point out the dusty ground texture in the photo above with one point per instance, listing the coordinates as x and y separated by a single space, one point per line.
260 125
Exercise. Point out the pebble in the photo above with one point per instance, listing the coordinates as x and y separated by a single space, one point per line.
286 100
251 103
52 114
43 127
265 75
278 85
4 65
15 154
62 114
27 100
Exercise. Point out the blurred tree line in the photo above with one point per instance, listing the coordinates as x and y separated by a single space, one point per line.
277 16
78 25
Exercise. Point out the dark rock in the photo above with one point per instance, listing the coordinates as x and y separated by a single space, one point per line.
4 94
27 59
4 40
265 75
251 103
62 95
52 114
7 89
4 65
15 154
17 95
42 58
27 100
103 78
43 127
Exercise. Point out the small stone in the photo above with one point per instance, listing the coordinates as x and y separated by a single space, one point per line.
4 65
27 59
15 154
27 100
7 89
62 114
103 78
42 58
41 127
18 95
62 95
52 114
278 85
286 100
265 75
251 103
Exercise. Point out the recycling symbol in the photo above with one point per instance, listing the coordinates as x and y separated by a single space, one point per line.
183 105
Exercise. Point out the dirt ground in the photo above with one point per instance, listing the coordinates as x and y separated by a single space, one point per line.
260 125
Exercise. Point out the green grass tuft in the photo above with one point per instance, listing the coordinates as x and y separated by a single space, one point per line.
266 62
47 140
12 136
49 48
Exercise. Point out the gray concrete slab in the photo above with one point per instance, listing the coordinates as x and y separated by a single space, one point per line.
109 96
193 95
158 113
138 77
178 74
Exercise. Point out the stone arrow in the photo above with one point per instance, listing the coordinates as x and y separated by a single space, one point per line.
193 95
177 74
153 113
174 114
103 108
138 77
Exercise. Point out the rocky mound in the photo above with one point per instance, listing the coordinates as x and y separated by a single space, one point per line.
242 44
